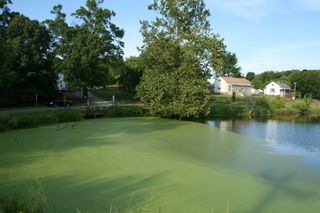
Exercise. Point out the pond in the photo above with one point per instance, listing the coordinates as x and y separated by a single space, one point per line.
159 165
298 137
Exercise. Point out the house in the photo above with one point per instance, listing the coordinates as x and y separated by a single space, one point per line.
61 83
278 89
227 85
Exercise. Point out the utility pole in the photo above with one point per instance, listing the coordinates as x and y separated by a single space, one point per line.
294 91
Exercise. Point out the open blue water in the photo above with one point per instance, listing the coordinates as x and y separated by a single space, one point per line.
285 137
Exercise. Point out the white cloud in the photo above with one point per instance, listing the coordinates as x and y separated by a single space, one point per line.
286 57
254 9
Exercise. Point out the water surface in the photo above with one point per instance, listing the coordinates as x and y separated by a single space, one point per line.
155 165
285 137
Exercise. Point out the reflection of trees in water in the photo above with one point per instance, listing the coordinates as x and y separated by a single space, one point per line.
300 133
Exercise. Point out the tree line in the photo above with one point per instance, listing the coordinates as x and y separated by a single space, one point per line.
170 76
307 82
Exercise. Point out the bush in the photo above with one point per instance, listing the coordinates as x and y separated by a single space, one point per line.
68 115
302 105
226 111
233 96
258 106
277 103
129 111
4 123
35 119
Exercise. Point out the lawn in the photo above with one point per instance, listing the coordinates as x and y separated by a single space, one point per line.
153 165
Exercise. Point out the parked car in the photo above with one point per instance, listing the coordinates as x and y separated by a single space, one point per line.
60 103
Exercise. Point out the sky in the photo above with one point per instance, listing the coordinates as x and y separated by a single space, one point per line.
265 34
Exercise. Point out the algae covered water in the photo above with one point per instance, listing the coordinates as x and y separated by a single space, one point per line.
154 165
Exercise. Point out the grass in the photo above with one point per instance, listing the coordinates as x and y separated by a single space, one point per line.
224 106
151 164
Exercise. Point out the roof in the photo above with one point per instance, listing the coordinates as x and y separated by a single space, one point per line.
283 85
237 81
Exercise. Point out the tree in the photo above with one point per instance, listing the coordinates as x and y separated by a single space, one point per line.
132 73
6 73
250 76
261 80
178 54
5 16
308 82
86 52
230 65
30 59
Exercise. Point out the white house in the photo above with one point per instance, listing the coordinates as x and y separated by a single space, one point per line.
61 83
227 85
278 89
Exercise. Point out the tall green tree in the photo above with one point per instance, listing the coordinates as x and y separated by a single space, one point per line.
262 79
30 43
180 51
6 73
308 82
250 76
132 73
230 65
85 52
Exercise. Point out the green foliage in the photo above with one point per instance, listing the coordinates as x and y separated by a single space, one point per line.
129 111
179 52
308 82
26 59
250 76
132 73
261 80
277 102
302 105
35 119
258 106
91 49
173 84
121 94
230 66
233 96
220 110
35 201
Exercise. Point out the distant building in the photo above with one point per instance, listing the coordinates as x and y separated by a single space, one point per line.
227 85
61 83
278 89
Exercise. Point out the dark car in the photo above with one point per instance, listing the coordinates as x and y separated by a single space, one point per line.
60 103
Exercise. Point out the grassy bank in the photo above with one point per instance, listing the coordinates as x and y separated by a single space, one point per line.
147 164
224 106
33 118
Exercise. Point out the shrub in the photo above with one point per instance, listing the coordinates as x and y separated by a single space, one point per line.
277 103
258 106
34 119
302 105
4 121
233 96
129 111
226 111
68 115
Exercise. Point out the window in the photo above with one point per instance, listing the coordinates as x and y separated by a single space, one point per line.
229 88
272 90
